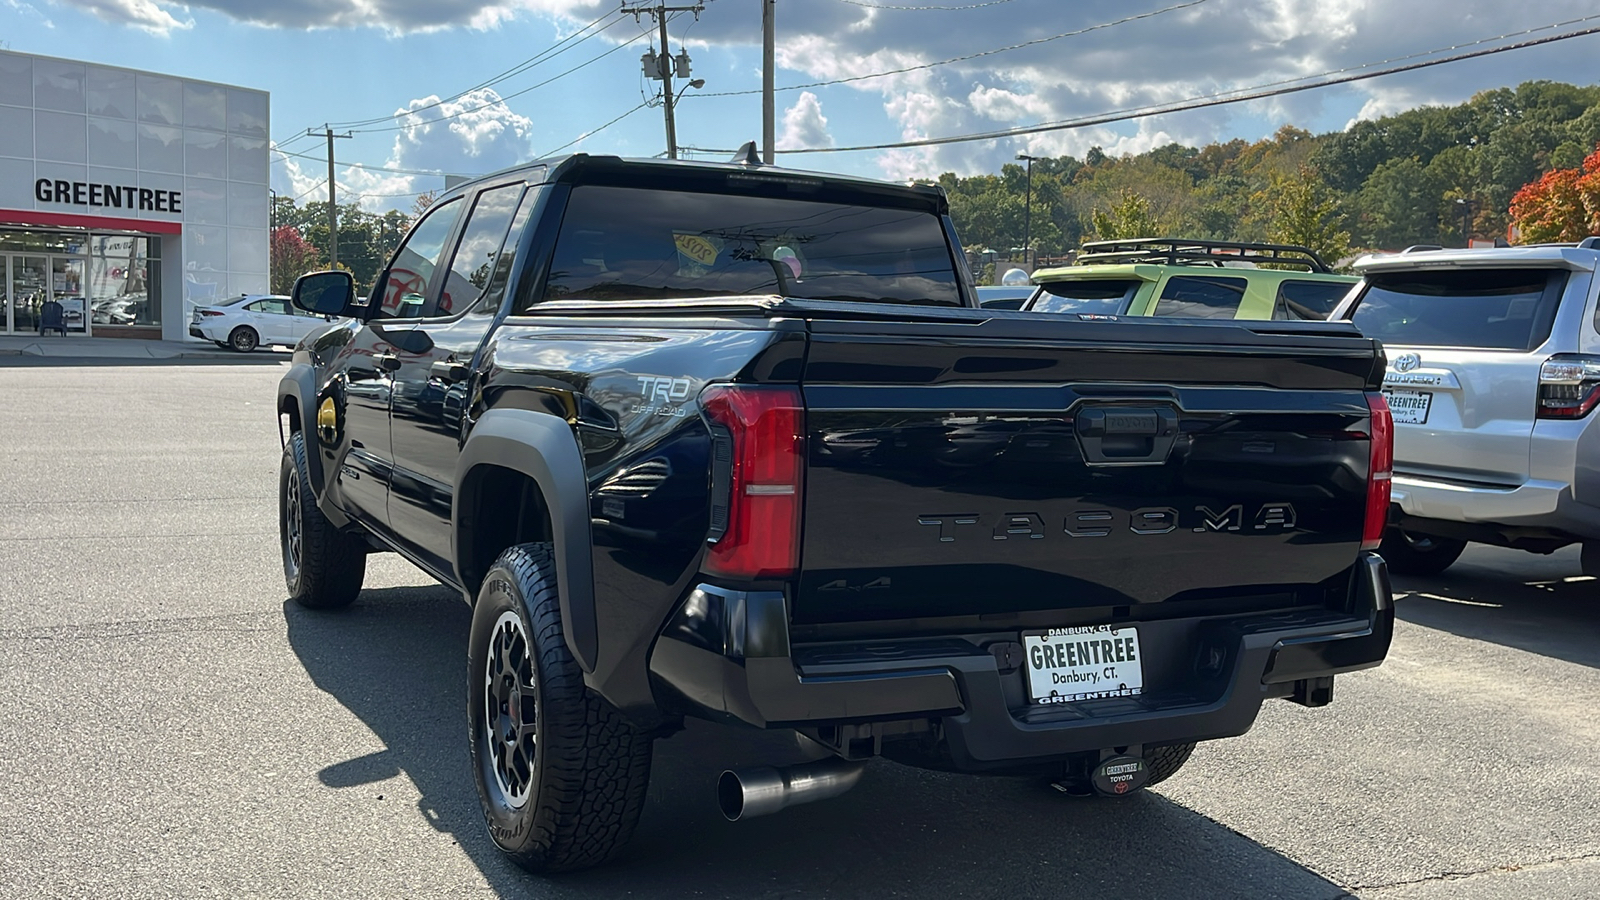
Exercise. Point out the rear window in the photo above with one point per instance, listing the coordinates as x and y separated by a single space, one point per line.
1107 296
1493 309
1308 300
1201 298
628 243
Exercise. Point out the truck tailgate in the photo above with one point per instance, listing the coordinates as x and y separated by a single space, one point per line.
1016 463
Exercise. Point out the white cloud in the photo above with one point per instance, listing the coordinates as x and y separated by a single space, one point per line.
146 15
804 125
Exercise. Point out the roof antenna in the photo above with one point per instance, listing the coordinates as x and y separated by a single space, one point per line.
747 155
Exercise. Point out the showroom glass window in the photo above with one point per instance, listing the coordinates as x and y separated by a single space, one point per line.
124 280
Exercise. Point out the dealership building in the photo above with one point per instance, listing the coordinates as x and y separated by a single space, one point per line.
126 198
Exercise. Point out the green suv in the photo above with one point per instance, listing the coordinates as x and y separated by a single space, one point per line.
1191 279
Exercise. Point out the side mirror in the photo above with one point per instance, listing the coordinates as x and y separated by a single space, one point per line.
327 294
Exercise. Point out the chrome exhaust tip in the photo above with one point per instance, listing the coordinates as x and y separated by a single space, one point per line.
747 793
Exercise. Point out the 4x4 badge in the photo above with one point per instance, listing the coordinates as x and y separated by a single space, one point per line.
1405 362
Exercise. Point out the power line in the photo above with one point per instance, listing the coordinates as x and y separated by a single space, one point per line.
314 187
921 8
593 132
1204 102
548 53
502 100
970 56
370 168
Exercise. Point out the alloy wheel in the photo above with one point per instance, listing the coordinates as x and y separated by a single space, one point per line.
510 709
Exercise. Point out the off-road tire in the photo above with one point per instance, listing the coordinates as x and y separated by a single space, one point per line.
1164 762
1408 553
325 567
244 339
583 775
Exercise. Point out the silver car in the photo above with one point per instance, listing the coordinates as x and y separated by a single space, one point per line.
1493 376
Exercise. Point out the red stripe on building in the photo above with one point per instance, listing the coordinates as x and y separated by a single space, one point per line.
93 223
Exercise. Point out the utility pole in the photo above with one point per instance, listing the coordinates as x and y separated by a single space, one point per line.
333 205
664 65
769 119
1027 213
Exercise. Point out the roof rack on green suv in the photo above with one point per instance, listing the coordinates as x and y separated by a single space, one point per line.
1198 279
1182 251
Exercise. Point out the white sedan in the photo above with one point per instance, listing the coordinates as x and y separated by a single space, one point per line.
253 320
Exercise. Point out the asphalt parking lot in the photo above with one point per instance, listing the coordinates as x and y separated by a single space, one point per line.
173 729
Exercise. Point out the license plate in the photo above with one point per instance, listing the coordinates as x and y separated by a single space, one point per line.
1069 664
1409 407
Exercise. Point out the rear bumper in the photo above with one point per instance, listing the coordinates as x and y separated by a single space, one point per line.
727 654
1534 504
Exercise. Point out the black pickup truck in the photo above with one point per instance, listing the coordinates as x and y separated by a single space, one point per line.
736 442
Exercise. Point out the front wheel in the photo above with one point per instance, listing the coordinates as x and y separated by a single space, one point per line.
322 567
1410 553
561 775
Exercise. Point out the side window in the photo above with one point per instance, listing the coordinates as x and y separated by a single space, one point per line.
1310 300
507 260
1201 298
270 305
406 283
481 240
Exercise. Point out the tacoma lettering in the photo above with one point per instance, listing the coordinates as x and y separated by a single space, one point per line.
1093 523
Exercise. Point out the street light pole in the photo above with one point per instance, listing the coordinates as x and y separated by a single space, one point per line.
1466 220
1027 213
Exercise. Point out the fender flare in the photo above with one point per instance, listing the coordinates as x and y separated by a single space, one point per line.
542 447
300 383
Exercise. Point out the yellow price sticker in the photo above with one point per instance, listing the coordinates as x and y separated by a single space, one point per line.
696 248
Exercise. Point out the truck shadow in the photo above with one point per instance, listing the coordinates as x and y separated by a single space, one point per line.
397 661
1511 598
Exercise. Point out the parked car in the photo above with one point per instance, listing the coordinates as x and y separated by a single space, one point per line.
1193 279
1002 296
253 320
693 443
1493 373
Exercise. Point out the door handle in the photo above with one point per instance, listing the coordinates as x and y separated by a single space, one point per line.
1126 436
449 371
386 362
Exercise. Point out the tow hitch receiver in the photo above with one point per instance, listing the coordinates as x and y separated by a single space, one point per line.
1119 776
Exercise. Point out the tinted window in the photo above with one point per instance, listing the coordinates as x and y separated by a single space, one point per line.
1105 296
1505 309
270 305
1309 300
626 243
405 285
1201 298
480 244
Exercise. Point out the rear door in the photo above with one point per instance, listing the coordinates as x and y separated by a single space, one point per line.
270 318
430 387
1464 349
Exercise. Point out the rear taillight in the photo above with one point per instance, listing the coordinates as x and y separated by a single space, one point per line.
211 312
1380 471
757 464
1569 386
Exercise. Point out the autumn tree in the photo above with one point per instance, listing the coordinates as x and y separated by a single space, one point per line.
290 257
1562 205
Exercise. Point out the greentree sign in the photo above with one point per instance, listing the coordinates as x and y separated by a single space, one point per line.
114 196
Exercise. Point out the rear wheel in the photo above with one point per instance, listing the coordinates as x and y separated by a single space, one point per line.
1410 553
223 344
244 339
1164 762
322 567
561 775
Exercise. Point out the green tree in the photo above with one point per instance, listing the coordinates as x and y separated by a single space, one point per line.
1130 217
1302 210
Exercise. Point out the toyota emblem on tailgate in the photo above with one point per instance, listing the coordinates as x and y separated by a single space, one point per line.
1405 362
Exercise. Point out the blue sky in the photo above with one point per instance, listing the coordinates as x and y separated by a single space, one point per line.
347 61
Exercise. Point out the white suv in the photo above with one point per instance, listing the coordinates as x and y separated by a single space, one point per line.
1493 375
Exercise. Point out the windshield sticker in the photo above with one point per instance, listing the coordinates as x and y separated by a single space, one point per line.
696 254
